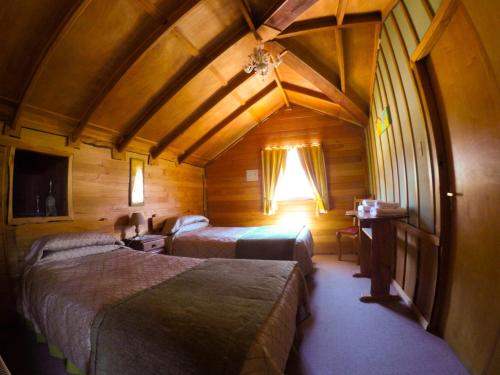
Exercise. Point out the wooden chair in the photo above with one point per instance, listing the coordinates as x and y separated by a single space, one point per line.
351 232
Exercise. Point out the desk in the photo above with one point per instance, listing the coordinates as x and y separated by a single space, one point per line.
377 263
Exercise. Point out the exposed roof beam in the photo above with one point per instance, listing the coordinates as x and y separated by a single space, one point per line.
328 88
341 7
42 60
281 15
286 12
171 88
305 91
329 23
340 57
221 125
208 104
341 113
247 15
258 121
139 52
277 79
376 46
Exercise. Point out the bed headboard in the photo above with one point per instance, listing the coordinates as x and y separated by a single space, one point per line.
157 221
21 237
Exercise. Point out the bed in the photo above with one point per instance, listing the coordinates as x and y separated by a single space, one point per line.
89 296
193 236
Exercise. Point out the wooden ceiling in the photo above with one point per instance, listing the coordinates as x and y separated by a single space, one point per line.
169 73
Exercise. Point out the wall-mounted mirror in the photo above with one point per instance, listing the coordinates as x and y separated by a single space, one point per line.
136 183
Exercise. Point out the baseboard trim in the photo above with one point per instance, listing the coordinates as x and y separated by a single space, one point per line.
408 301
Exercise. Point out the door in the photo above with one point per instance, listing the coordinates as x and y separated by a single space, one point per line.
467 94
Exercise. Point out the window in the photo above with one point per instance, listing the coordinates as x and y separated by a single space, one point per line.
293 184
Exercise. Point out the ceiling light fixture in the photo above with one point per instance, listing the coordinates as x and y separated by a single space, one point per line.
260 62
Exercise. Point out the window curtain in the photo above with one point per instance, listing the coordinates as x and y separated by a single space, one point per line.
273 166
313 162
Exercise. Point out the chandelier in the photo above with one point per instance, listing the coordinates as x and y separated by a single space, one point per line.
260 62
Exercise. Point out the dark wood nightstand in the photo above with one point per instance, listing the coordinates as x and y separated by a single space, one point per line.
151 243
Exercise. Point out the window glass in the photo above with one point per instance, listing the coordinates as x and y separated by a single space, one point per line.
293 184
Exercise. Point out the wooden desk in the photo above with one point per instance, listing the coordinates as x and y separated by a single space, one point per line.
377 263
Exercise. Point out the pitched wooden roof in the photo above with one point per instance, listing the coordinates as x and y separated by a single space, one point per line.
169 74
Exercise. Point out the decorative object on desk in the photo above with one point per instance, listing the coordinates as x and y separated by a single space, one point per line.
136 183
384 121
50 203
137 219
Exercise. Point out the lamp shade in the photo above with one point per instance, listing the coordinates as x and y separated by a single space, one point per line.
137 219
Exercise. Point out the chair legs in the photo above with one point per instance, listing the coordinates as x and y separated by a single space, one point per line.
339 242
355 245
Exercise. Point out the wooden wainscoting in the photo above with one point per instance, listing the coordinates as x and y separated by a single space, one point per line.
416 268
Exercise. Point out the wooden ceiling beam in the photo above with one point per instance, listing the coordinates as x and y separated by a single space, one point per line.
277 79
341 7
208 104
330 23
339 42
221 125
308 92
247 15
171 88
328 88
128 62
341 114
376 47
280 16
68 21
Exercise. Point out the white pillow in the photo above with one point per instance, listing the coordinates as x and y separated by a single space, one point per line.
171 226
191 227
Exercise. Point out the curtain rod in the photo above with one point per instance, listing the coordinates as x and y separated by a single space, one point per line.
290 147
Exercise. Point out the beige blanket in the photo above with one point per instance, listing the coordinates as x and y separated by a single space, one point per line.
62 298
220 242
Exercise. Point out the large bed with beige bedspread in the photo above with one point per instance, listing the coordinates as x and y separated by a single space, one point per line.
192 236
68 283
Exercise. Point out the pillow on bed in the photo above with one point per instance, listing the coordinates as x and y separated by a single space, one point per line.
191 227
172 225
77 252
67 241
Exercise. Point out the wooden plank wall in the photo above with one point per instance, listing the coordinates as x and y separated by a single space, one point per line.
402 158
100 191
407 161
232 201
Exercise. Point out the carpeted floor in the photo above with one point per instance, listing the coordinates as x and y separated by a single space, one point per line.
347 337
343 336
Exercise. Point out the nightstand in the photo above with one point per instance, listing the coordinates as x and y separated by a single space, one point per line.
151 243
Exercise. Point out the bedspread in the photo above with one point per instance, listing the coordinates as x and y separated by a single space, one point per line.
220 242
62 299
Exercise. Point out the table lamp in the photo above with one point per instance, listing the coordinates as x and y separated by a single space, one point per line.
137 219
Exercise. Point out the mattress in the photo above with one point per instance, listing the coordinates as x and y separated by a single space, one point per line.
62 298
220 242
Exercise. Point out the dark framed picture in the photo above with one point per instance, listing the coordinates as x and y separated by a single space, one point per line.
136 182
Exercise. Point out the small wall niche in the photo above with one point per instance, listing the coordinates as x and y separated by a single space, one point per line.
39 186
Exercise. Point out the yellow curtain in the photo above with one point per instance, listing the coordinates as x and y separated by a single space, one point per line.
313 162
273 166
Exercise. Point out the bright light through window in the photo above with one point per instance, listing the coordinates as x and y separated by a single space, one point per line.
293 184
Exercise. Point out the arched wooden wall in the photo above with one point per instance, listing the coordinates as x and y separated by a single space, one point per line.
451 284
